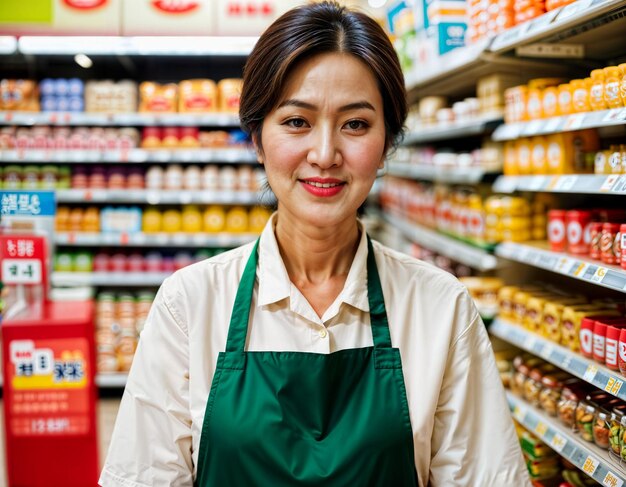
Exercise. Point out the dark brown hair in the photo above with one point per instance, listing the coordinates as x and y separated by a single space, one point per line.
314 29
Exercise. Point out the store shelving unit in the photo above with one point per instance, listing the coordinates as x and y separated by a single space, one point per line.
119 119
566 123
117 279
86 239
160 156
592 372
614 184
157 196
452 175
462 252
111 381
538 255
591 459
467 128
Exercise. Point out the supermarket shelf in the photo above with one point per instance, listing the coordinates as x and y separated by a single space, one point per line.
591 459
455 249
592 372
119 119
72 279
563 23
234 156
112 381
453 131
453 175
567 183
157 197
566 123
538 255
153 239
137 46
8 44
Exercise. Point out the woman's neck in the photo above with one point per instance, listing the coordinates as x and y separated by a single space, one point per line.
314 255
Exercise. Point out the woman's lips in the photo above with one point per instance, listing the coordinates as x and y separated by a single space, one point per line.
323 187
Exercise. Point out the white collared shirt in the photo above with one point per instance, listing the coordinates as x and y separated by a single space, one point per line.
462 428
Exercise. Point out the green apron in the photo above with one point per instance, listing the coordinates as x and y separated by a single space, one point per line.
277 419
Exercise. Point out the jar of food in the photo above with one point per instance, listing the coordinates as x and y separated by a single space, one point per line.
533 385
617 414
522 365
596 99
551 392
622 437
580 95
612 81
585 414
602 428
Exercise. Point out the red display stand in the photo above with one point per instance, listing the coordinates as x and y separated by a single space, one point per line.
50 396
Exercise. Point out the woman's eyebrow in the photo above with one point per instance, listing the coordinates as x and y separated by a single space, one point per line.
308 106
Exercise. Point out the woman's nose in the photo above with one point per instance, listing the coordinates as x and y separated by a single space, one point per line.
324 151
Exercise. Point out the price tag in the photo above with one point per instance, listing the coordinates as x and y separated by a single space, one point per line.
541 428
615 115
574 122
139 238
558 442
580 270
536 183
590 373
613 386
567 361
519 413
8 116
552 125
565 183
124 238
88 195
71 238
21 271
599 274
590 466
180 239
563 265
609 182
612 480
620 185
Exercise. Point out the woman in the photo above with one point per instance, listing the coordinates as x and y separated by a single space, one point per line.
315 356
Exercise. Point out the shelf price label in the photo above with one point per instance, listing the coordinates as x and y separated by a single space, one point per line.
565 183
558 442
590 373
599 274
552 125
609 182
519 413
541 429
613 386
590 466
574 122
612 480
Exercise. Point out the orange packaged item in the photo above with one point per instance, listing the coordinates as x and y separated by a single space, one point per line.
580 95
19 94
197 95
172 221
158 98
171 137
516 101
523 156
550 106
510 159
565 99
237 220
596 93
612 81
558 155
534 105
151 138
229 93
214 219
538 155
622 83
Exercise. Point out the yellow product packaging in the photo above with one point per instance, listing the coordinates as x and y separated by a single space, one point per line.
565 99
553 315
192 219
572 317
516 100
596 93
510 159
237 220
580 95
523 156
550 105
514 206
172 221
534 105
612 81
533 315
520 300
258 217
214 219
197 95
538 155
506 305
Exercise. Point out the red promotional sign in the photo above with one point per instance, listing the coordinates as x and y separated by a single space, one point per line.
23 259
85 4
49 380
175 6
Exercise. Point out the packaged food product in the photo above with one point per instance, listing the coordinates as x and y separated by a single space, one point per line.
556 230
189 137
611 347
622 438
596 98
617 413
229 93
538 159
522 365
621 347
595 235
172 221
174 177
257 219
191 219
571 322
533 385
152 221
157 98
571 395
550 105
553 314
602 428
580 94
622 231
578 231
523 156
192 178
197 95
585 413
533 447
171 138
610 243
214 219
510 159
237 220
599 341
565 99
612 81
505 302
550 394
534 106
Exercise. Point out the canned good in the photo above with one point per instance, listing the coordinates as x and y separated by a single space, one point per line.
556 230
611 347
578 224
610 243
586 336
596 234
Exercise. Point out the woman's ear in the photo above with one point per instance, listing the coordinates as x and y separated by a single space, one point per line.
257 147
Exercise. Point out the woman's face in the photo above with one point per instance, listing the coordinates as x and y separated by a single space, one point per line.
325 140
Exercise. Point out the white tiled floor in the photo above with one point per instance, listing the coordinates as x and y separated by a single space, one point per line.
107 411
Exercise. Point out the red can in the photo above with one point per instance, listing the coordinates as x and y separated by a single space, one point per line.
556 230
622 231
611 347
596 233
586 336
610 244
621 360
599 341
578 224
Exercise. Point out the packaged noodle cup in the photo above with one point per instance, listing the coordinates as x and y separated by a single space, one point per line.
556 230
578 231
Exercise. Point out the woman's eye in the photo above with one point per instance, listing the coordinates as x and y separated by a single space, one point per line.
296 123
356 124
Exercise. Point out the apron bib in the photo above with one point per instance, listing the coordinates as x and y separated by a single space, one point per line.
278 419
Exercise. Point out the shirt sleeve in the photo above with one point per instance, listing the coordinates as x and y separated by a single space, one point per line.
151 442
473 440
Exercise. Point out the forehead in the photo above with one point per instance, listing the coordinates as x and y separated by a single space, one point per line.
331 74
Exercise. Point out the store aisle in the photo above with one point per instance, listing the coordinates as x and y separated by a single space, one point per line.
107 411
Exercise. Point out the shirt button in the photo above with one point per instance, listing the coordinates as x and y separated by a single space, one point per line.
323 333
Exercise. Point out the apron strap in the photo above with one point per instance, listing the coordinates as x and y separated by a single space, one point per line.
238 328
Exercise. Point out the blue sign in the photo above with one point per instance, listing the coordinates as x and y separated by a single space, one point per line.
27 203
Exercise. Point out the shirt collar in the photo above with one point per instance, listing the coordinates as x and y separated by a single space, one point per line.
274 283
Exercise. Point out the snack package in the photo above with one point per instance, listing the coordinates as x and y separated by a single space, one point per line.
197 95
155 97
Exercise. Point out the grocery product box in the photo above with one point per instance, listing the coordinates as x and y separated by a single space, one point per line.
248 17
168 17
60 17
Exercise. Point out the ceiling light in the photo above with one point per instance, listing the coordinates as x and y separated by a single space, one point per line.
83 61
